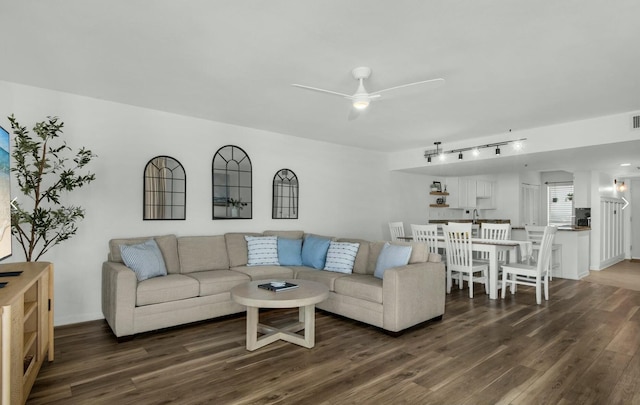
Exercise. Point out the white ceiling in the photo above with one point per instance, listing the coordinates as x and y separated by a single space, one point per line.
509 64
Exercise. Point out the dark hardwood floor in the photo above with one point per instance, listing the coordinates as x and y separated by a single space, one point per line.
581 347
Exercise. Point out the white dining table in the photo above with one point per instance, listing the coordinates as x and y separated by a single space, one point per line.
493 248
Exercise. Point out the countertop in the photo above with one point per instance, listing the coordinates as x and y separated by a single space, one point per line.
478 221
563 228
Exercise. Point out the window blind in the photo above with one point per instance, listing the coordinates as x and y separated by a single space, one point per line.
560 204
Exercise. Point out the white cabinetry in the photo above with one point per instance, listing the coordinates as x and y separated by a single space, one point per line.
467 193
484 189
582 189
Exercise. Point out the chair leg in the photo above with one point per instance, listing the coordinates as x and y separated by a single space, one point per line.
471 285
504 284
546 287
538 290
448 281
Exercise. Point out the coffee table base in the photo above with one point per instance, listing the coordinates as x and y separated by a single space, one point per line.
306 321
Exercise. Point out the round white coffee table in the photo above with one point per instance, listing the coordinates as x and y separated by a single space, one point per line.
304 297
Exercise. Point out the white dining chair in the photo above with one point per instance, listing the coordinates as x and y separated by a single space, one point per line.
534 235
460 261
532 275
397 230
427 234
495 232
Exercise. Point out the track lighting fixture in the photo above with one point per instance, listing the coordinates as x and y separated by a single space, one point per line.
428 154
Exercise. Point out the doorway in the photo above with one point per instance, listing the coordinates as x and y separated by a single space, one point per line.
635 213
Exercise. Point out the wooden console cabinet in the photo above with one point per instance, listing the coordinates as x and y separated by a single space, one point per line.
26 328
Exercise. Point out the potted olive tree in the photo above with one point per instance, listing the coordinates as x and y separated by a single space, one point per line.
44 174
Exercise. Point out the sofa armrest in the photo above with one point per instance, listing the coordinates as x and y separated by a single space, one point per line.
412 294
119 286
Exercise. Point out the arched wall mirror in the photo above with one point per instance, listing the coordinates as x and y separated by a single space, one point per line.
232 183
165 189
285 195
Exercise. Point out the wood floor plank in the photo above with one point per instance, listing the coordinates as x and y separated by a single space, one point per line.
581 346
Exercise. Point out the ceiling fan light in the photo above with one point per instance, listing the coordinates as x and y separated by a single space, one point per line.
360 104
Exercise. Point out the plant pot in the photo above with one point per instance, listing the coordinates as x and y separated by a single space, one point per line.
235 212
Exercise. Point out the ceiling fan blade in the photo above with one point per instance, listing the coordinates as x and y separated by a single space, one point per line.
322 91
432 82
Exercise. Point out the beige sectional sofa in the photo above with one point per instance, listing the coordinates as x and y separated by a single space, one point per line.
201 270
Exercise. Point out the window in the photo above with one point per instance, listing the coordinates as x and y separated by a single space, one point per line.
560 203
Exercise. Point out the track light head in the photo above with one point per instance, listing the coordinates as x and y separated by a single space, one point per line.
497 150
460 156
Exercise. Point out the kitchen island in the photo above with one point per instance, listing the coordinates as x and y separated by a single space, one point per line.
574 241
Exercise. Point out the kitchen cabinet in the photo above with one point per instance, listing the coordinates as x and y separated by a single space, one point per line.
582 189
484 189
468 196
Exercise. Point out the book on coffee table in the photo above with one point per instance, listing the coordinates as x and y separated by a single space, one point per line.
285 287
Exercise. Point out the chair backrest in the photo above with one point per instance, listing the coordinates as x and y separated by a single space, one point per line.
396 229
546 246
457 237
495 232
426 233
534 233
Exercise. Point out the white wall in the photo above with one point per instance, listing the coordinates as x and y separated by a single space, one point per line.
343 191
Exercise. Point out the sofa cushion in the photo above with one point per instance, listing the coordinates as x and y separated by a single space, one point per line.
262 250
285 234
419 253
391 256
218 281
200 253
265 272
168 245
145 259
341 256
360 264
289 252
314 251
172 287
360 286
237 248
327 278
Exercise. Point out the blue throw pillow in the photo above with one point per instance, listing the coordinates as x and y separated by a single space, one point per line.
392 256
290 252
314 251
145 259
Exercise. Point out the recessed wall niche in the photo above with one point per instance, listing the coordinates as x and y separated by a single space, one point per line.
231 178
285 195
165 189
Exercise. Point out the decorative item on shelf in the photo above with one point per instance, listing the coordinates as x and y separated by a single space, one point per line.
43 177
436 186
569 197
236 206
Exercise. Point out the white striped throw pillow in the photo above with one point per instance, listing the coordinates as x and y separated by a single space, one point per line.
341 256
263 250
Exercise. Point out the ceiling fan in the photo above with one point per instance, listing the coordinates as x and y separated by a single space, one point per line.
361 98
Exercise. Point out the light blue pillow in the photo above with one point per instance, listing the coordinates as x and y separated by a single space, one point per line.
262 250
314 251
290 252
145 259
392 256
341 256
